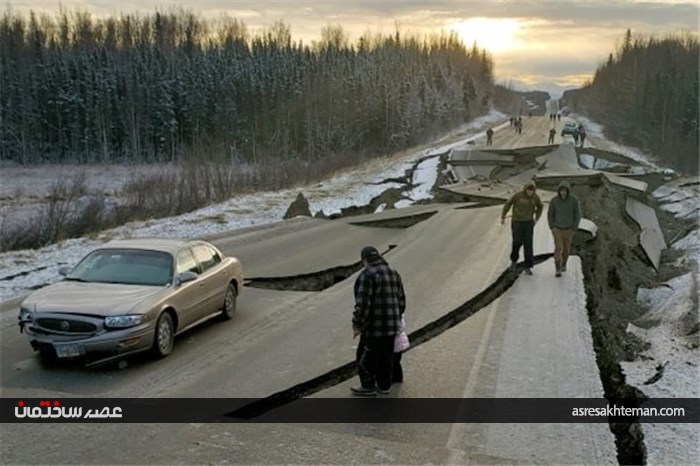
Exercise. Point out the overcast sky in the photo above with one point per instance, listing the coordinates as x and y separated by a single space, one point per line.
543 44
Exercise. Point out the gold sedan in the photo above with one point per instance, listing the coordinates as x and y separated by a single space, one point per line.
129 296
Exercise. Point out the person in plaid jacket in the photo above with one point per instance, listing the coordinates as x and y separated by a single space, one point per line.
380 302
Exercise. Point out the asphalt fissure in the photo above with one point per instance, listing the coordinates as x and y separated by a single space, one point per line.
614 268
314 281
417 338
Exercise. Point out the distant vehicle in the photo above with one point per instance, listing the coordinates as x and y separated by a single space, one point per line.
569 128
129 296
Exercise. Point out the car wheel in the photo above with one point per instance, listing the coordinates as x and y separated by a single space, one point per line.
164 337
229 303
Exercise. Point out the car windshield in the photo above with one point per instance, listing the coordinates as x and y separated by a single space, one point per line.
124 266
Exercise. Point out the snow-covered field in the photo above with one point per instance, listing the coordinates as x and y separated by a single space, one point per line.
23 270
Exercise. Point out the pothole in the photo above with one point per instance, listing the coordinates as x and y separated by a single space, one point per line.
417 338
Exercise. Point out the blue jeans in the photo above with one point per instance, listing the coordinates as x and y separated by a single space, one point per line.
522 236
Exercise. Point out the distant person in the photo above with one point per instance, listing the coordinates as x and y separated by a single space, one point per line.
564 216
401 344
576 136
520 125
582 134
527 210
489 137
559 116
511 120
552 132
380 303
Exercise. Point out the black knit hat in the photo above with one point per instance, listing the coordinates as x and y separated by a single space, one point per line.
369 253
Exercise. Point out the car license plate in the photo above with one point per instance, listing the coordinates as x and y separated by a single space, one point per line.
67 351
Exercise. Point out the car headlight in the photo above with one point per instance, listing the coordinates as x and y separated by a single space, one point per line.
123 321
25 315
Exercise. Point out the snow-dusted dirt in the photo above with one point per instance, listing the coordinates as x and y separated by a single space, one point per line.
23 270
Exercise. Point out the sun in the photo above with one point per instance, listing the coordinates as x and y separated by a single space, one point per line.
492 34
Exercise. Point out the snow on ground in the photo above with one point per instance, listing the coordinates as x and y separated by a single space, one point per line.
670 327
598 131
681 200
670 323
24 270
424 178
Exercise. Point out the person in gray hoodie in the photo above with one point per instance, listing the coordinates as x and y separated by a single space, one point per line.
564 215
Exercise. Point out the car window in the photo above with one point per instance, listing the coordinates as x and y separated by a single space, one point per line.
206 257
186 262
124 266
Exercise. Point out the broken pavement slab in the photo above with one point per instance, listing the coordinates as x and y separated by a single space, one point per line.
651 238
386 217
562 158
322 245
626 182
588 226
510 349
467 156
491 191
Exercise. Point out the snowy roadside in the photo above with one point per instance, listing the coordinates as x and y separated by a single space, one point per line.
597 131
24 270
669 368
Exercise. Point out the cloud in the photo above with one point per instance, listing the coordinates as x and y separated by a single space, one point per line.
556 41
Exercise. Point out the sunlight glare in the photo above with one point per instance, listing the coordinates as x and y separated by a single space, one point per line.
494 35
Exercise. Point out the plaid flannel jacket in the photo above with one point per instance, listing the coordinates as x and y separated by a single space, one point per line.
380 301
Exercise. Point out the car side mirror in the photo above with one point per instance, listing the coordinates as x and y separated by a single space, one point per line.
185 277
63 271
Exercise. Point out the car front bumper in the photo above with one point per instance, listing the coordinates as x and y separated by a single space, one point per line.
102 346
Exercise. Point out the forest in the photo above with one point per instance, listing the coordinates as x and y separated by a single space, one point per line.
171 86
646 95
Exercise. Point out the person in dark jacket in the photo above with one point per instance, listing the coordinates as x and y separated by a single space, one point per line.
489 137
380 302
527 209
582 134
552 133
564 216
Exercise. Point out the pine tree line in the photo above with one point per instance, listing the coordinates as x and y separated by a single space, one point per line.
168 85
646 95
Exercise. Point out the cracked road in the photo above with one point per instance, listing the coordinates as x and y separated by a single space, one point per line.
282 338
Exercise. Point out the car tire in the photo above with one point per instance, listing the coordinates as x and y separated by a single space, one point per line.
229 308
164 336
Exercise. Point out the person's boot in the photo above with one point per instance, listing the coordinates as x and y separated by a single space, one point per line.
528 271
558 272
512 267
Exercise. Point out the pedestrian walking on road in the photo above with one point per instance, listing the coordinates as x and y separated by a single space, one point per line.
380 302
520 125
489 137
511 120
527 210
582 134
552 133
559 116
576 136
564 216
